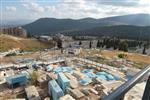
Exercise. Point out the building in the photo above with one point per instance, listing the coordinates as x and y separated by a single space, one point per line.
32 93
15 31
54 90
63 81
44 38
16 80
62 37
74 51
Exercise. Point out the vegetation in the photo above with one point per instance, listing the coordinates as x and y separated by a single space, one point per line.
99 44
122 55
123 46
144 50
121 31
80 42
12 54
34 76
9 42
145 46
90 45
59 44
129 26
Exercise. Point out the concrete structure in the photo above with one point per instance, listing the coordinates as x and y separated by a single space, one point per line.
42 80
76 93
109 86
67 97
54 90
63 81
51 76
78 74
73 80
15 80
136 92
74 51
45 38
32 93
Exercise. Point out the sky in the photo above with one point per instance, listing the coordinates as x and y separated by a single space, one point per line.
75 9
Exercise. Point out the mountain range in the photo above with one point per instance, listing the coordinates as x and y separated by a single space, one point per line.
133 24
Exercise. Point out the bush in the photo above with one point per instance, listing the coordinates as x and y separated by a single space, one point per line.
122 55
11 54
34 76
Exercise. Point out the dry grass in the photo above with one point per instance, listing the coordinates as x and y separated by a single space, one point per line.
130 56
139 60
10 42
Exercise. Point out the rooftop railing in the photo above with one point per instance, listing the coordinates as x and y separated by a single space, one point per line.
119 93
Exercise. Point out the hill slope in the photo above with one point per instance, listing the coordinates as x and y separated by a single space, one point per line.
9 42
134 19
53 25
123 31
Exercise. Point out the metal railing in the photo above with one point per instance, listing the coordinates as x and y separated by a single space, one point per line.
120 92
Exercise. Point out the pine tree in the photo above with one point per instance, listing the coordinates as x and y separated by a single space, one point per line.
59 44
98 44
90 45
123 46
80 42
144 49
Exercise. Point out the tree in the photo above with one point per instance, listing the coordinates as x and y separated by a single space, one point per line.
29 35
80 42
116 43
123 46
90 45
98 44
70 46
59 44
122 55
34 76
144 49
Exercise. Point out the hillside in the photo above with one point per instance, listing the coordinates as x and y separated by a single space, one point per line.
9 42
53 25
123 31
133 19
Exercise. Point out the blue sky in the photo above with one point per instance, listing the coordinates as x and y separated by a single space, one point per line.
34 9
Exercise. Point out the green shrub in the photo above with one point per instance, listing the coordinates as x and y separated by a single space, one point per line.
122 55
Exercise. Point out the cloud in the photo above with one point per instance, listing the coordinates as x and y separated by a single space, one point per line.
32 6
79 8
11 8
50 8
85 8
129 3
